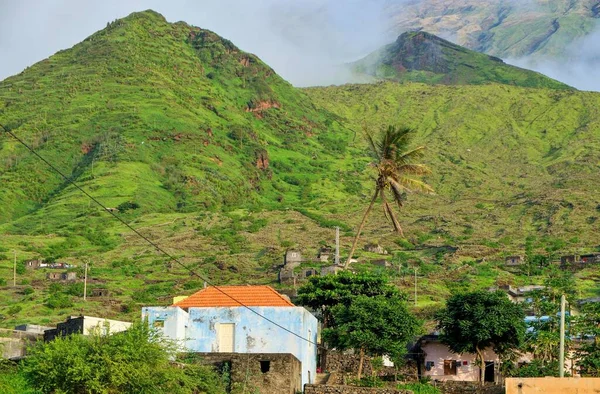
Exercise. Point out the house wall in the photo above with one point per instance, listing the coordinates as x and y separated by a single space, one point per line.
283 377
438 352
91 323
252 334
552 385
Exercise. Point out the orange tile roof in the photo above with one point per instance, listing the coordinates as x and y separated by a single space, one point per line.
246 295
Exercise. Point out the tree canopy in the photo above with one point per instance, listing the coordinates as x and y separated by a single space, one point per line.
472 322
134 361
321 293
375 326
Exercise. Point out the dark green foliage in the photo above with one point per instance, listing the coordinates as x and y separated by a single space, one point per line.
59 301
135 361
478 320
325 292
419 388
374 325
128 205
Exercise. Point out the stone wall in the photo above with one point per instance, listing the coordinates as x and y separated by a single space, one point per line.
260 372
342 363
322 389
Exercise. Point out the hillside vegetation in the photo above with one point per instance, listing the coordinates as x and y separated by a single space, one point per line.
503 28
209 153
423 57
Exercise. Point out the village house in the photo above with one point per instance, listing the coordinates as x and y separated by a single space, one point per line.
293 258
85 325
324 254
33 264
64 276
437 362
512 261
579 261
331 269
100 292
228 319
375 248
381 263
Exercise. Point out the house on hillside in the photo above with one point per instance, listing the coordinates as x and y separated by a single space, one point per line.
293 258
375 248
213 321
33 264
65 276
85 325
512 261
324 254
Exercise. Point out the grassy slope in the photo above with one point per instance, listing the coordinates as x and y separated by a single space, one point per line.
423 57
508 163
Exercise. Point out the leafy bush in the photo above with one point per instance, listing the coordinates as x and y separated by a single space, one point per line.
420 388
28 290
59 301
15 309
134 361
126 206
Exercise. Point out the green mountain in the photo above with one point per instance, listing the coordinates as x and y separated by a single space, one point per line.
423 57
206 151
503 28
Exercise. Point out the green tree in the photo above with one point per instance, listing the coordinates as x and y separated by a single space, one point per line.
396 171
321 293
587 327
478 320
374 326
134 361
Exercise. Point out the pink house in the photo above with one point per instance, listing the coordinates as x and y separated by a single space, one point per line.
439 363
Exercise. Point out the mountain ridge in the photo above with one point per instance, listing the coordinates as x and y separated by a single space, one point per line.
419 56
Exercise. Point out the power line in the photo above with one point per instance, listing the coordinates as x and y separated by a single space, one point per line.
156 246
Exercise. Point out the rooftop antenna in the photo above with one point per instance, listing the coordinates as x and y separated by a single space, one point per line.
337 246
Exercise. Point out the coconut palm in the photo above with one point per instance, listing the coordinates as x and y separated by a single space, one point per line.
396 171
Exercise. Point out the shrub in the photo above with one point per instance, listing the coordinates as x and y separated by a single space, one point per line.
28 290
420 388
59 301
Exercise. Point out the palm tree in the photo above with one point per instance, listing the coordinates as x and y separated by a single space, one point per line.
395 166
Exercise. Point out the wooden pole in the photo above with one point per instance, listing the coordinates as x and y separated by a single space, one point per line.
561 354
15 270
85 281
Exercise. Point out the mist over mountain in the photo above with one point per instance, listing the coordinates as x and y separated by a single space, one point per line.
308 42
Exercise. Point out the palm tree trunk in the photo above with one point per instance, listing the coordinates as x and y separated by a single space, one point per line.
362 224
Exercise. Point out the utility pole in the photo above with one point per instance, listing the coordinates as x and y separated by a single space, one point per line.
561 355
85 281
15 270
416 269
337 246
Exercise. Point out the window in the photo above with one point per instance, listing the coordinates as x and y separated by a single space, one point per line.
429 365
449 367
158 324
265 366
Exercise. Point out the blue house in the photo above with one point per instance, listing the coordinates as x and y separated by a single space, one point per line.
213 321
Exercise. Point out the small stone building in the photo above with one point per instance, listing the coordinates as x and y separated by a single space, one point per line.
324 254
514 260
100 292
331 269
375 248
293 258
33 264
381 263
66 276
85 325
260 372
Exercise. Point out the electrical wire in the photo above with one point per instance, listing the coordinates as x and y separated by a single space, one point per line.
155 245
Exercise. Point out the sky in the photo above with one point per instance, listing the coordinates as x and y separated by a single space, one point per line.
305 41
